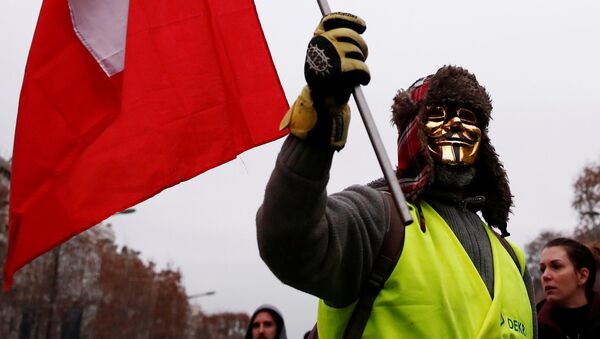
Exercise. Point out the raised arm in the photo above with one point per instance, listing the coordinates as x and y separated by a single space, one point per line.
321 244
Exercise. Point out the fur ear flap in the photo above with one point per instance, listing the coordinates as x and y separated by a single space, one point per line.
491 181
403 110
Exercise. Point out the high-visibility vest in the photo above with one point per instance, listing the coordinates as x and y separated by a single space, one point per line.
435 291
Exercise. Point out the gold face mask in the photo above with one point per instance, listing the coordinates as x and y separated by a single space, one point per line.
452 134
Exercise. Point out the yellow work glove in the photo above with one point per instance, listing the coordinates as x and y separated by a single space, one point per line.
334 65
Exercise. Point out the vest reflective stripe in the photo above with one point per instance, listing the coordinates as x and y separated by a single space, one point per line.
435 291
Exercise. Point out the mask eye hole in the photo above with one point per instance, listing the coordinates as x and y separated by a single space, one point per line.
466 116
437 114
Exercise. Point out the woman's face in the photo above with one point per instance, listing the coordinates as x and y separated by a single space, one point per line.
563 284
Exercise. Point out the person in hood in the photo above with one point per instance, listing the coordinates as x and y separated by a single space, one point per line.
266 323
571 307
456 277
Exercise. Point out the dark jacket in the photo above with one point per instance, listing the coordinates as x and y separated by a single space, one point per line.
549 322
281 333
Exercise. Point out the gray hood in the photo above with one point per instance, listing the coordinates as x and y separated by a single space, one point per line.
281 333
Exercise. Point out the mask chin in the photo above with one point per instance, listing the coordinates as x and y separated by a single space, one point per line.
453 176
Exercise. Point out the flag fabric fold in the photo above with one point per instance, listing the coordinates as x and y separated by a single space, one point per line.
198 88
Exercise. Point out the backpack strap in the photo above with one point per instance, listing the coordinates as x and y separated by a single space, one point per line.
510 251
383 266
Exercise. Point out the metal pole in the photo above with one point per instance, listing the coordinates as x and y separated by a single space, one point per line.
384 161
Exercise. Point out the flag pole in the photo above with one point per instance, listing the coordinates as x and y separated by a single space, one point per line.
384 161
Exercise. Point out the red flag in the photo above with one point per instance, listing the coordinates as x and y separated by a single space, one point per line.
198 88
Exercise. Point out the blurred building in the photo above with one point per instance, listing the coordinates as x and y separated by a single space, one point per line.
4 193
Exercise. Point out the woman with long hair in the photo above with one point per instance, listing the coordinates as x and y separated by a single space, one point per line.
571 308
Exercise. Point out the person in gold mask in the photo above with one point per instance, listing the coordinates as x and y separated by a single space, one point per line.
457 277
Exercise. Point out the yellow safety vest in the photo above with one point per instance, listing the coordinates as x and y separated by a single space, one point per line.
435 291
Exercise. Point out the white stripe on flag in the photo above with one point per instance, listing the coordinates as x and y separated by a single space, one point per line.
101 25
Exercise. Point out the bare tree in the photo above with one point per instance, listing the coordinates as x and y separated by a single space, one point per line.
88 288
587 202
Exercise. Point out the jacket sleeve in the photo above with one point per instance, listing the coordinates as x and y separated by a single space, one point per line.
323 245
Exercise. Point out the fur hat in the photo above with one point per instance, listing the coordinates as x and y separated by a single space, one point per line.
450 84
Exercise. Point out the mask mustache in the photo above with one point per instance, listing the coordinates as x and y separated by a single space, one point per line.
456 136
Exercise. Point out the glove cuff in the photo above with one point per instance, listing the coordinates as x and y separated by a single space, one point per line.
329 122
301 118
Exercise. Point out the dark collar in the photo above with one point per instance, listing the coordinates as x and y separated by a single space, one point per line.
473 204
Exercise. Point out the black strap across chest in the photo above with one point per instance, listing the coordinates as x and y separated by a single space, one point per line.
384 264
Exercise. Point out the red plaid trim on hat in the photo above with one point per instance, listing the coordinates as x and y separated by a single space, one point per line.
414 168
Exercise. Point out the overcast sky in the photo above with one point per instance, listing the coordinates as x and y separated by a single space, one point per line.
538 60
